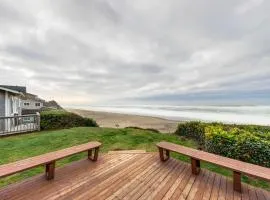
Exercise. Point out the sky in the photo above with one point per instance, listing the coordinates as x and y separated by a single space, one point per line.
86 52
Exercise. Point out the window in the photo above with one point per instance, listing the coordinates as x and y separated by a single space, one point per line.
37 104
26 120
26 103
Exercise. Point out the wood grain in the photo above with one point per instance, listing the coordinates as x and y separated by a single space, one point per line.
129 176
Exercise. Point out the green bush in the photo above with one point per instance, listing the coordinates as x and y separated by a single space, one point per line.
238 144
193 130
248 143
57 119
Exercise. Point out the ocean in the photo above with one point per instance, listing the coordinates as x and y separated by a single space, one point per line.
257 115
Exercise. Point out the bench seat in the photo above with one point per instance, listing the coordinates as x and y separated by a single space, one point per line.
49 159
238 167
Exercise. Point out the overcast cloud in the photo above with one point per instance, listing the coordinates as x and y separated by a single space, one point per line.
102 51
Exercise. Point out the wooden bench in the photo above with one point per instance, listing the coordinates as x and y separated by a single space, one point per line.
238 167
49 159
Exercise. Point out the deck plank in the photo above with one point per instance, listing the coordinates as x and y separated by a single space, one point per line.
115 181
36 184
188 187
79 181
90 182
196 185
183 180
216 185
245 195
209 186
122 182
266 194
168 186
252 193
70 183
121 192
236 195
222 189
260 194
202 186
155 183
130 176
142 186
229 192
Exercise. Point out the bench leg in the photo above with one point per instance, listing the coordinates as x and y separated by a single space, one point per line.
50 168
237 181
195 166
90 152
161 154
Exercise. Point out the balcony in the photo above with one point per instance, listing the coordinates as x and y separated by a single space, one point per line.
19 124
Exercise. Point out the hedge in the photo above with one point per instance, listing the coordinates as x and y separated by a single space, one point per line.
193 129
58 119
230 141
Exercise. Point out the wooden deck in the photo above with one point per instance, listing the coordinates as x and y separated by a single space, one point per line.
130 176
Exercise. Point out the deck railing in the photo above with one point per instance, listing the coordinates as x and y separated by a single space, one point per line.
19 124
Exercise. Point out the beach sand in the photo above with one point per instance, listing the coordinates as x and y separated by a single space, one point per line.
116 120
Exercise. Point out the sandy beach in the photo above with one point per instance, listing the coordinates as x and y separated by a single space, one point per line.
116 120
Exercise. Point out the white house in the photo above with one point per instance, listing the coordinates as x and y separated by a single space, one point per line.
10 102
24 103
31 102
12 119
10 105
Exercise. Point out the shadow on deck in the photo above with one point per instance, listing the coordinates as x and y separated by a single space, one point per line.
130 176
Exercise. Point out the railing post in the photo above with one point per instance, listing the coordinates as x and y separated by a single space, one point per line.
2 125
237 181
50 168
96 154
38 121
195 166
90 154
161 154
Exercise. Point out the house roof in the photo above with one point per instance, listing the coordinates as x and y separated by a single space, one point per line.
9 90
21 89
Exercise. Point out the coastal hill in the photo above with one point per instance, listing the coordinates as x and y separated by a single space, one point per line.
51 104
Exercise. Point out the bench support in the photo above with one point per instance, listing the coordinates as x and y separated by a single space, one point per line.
195 166
162 156
237 181
90 152
50 168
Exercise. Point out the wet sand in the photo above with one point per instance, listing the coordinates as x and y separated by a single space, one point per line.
116 120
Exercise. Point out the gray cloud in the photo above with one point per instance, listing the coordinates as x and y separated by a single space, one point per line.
100 51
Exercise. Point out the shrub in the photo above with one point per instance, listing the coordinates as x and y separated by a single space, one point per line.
248 143
57 119
216 137
193 130
238 144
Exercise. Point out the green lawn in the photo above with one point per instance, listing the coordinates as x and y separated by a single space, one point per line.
22 146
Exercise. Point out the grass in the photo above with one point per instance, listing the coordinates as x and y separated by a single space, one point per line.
23 146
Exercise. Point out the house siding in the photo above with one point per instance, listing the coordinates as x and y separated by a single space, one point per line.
31 105
2 103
